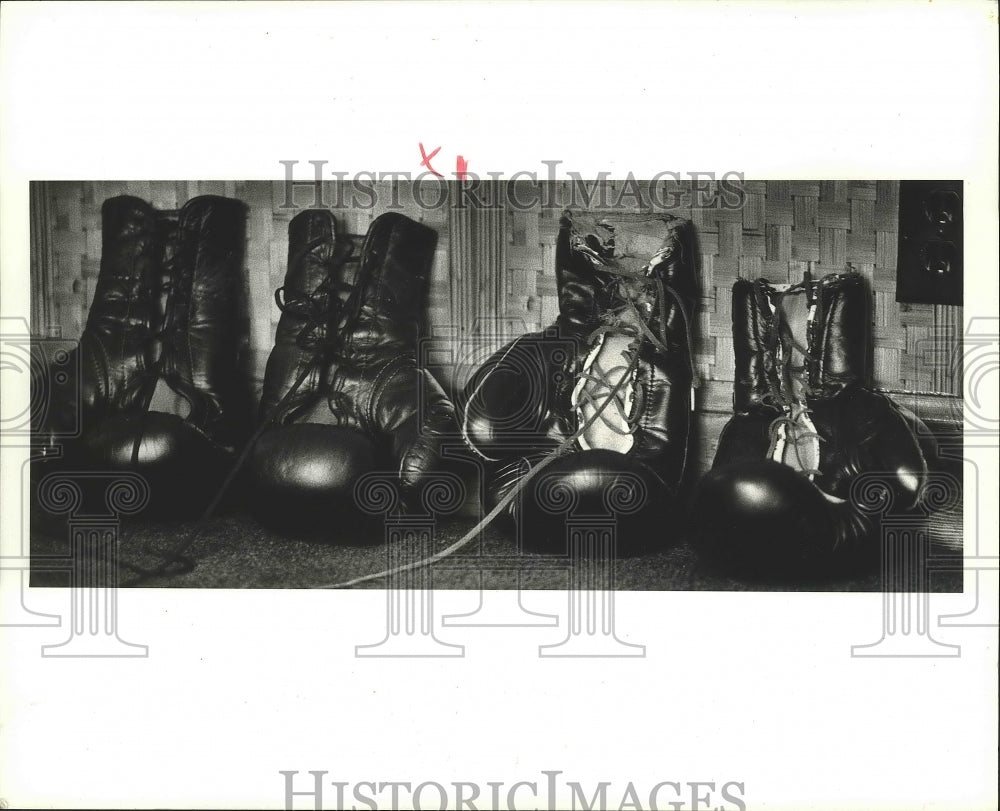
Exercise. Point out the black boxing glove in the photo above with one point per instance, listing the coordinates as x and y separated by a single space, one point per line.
607 388
777 502
159 356
343 394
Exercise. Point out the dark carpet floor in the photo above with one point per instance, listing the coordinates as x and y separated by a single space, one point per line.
233 551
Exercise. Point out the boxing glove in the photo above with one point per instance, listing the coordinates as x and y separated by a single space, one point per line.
159 384
778 501
117 345
343 393
602 398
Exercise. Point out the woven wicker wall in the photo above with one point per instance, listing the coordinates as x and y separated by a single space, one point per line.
782 226
838 225
74 213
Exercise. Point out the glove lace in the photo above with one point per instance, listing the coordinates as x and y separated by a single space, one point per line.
323 311
788 426
629 321
166 340
597 386
145 381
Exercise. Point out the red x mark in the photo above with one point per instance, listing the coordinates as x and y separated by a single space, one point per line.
427 159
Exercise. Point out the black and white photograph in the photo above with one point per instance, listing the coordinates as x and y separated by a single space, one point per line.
700 384
499 405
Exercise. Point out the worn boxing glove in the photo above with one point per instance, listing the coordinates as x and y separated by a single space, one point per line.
777 501
343 394
117 345
160 390
606 390
179 418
